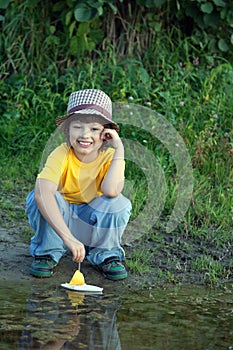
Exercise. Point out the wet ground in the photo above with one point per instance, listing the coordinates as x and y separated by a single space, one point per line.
169 259
176 258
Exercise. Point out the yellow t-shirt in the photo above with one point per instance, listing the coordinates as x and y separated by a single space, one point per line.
78 182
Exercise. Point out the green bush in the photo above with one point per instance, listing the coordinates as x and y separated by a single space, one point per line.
40 36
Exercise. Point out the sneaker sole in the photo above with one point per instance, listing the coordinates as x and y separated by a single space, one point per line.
40 273
115 277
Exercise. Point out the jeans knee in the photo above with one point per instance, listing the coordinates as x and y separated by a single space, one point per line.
111 212
118 204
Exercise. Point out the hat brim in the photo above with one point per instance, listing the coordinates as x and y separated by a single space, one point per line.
60 120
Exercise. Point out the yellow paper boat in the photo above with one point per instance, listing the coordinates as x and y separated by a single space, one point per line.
84 288
77 284
77 279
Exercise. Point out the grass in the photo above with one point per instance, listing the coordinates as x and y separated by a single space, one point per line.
139 261
211 268
195 98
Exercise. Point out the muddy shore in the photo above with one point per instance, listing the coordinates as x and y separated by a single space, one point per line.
170 261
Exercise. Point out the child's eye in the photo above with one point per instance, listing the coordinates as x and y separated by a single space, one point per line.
96 129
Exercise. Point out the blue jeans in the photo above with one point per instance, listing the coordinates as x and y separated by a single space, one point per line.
99 225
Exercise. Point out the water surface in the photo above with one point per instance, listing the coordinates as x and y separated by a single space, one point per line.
44 316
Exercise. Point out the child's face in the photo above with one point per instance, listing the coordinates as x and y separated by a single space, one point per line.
86 139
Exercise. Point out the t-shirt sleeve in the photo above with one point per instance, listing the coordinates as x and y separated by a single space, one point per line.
54 165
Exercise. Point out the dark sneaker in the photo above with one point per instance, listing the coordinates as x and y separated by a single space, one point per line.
113 269
42 266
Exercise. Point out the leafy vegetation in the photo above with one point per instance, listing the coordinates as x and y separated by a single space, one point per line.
173 57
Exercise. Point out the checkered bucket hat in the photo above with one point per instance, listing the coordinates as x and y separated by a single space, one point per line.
91 102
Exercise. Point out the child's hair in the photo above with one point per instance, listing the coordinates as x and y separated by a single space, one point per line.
65 126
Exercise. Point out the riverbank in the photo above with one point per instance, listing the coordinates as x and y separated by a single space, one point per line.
153 261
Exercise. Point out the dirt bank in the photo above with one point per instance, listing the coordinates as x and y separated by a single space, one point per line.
169 260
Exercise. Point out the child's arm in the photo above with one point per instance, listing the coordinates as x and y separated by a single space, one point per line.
47 204
113 183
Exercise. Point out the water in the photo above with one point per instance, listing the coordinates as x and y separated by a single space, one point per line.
40 315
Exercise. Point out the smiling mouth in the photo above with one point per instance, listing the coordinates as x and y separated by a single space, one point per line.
84 143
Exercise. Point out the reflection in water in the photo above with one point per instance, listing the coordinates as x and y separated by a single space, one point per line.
77 322
41 316
178 318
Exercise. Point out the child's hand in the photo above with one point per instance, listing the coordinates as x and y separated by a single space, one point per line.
77 249
112 136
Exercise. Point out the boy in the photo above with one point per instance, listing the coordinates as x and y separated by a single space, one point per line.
77 202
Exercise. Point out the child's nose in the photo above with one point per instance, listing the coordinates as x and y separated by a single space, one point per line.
85 132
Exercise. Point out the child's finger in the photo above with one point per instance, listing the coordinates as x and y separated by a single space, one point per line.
107 136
